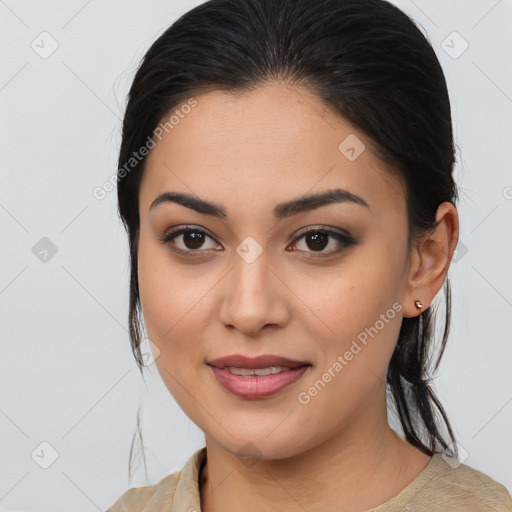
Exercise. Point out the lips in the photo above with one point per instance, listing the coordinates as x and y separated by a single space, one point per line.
257 377
263 361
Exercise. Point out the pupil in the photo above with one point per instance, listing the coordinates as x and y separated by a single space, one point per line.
317 242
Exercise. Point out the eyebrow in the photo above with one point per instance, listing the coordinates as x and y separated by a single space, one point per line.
281 211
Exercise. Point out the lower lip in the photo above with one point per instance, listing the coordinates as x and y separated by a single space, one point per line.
255 386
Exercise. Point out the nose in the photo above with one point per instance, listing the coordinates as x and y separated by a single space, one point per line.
254 298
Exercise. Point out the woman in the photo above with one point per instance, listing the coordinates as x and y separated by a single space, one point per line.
285 179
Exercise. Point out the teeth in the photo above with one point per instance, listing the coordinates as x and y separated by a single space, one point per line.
271 370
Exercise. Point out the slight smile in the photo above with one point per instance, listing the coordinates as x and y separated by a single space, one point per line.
257 377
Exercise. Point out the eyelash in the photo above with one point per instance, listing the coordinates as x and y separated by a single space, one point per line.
345 240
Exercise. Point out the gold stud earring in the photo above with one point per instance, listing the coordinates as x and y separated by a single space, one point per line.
418 304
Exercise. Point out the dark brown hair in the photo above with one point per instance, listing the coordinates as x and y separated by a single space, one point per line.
370 63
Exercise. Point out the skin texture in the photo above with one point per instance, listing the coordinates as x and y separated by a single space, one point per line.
249 152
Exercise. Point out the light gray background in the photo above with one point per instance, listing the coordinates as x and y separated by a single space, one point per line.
67 376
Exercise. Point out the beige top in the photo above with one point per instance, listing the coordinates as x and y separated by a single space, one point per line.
442 486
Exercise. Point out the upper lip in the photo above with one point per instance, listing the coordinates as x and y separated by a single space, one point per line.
264 361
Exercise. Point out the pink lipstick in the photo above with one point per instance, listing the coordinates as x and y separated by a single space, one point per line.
257 377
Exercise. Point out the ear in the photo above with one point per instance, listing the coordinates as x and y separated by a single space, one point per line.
430 260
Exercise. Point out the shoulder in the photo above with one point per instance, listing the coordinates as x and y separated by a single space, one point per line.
470 487
178 491
135 499
446 485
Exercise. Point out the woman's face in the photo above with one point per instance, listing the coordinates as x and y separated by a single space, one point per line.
249 283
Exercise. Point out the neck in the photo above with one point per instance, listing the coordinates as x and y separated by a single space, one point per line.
363 466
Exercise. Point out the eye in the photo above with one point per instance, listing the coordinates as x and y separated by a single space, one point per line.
316 240
189 240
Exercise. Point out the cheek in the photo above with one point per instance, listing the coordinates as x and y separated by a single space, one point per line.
356 314
174 312
170 302
170 309
347 299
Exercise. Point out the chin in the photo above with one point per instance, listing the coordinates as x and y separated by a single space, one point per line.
259 445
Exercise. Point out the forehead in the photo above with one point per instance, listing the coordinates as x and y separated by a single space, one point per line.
271 144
